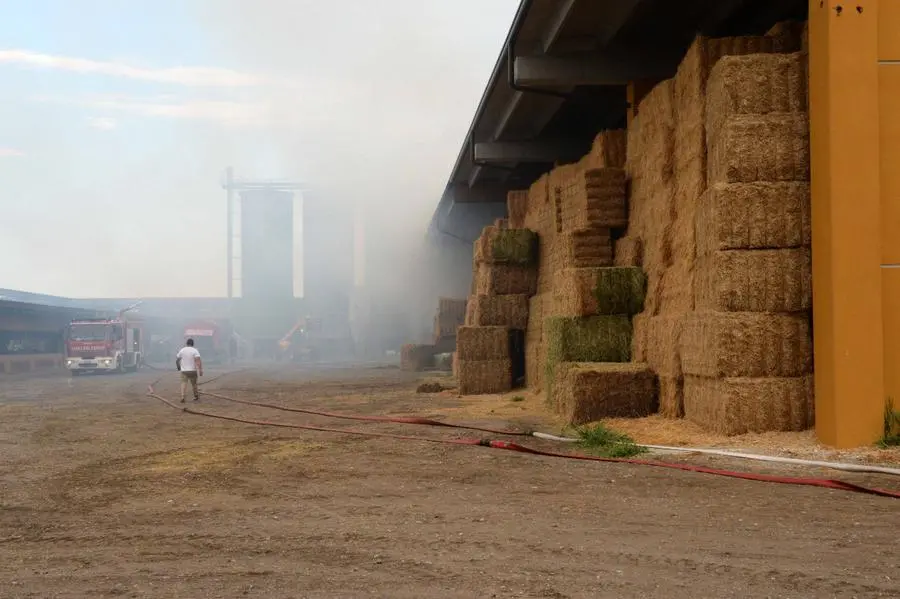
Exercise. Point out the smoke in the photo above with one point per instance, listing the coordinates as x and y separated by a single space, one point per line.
112 167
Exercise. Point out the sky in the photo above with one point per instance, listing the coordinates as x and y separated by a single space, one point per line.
119 117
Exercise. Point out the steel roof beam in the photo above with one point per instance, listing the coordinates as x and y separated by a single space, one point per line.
592 68
515 152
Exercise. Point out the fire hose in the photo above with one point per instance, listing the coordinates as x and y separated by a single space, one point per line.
510 446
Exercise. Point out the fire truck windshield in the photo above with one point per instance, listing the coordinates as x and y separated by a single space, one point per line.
88 332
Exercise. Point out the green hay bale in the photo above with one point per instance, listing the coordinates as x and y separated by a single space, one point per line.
620 290
514 246
604 338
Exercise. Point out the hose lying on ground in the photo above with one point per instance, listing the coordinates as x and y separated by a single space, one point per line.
429 422
496 444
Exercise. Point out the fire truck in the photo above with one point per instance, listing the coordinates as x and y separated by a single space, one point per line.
104 345
213 339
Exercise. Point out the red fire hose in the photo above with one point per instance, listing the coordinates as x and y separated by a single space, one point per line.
507 445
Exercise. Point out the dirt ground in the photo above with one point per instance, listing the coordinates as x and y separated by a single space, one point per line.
105 492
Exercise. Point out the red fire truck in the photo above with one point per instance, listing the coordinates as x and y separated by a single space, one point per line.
105 344
213 339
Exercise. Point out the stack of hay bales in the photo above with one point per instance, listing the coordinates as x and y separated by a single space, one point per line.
450 315
667 165
564 208
415 357
505 275
587 328
747 351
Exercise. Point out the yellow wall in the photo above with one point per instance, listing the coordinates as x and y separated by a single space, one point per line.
848 144
889 114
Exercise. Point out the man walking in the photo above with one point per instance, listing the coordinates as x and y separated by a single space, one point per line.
188 361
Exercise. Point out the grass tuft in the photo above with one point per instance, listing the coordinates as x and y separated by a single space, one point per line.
891 436
605 442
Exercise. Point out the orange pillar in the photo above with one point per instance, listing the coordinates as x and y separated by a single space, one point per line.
846 221
889 114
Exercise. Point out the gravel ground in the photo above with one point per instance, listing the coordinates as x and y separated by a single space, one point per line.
105 492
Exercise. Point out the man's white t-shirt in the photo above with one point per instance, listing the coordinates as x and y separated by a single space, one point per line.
188 357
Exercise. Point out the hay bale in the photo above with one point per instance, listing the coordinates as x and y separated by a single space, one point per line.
501 310
746 344
477 377
690 88
671 397
751 148
538 205
734 406
758 84
534 362
505 279
454 364
501 245
653 159
587 392
755 281
415 358
745 216
594 198
591 339
586 248
517 208
475 343
675 290
787 36
608 150
629 251
451 314
639 337
663 341
470 312
605 290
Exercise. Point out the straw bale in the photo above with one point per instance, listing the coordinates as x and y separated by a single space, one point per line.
451 313
538 208
586 247
746 344
639 337
482 343
451 306
593 199
754 216
590 339
536 310
690 88
734 406
671 397
690 184
604 290
415 358
629 251
534 367
517 208
505 279
470 312
587 392
755 85
653 302
550 252
751 148
755 281
787 36
655 223
501 310
608 150
657 131
477 377
675 289
663 339
454 364
499 244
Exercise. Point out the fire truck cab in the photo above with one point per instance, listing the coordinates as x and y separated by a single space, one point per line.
104 345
